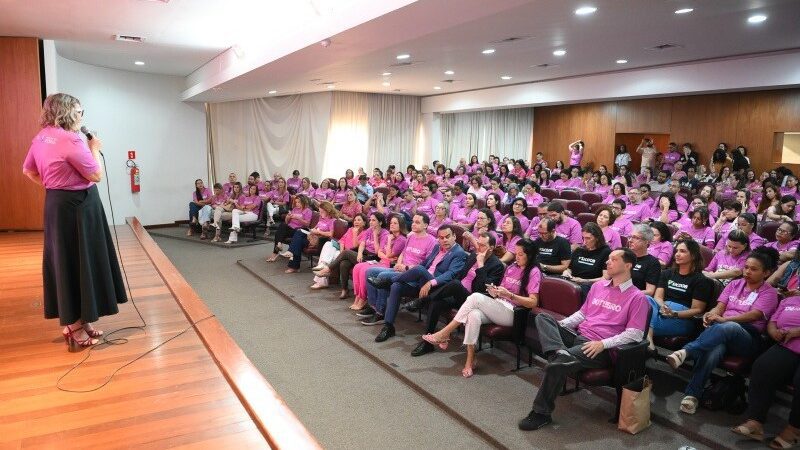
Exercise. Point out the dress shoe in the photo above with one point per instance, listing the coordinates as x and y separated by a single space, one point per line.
380 283
413 305
386 332
422 348
534 421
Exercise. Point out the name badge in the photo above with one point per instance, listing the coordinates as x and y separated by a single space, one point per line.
751 298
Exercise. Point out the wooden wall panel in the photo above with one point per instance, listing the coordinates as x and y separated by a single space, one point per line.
741 118
20 103
647 115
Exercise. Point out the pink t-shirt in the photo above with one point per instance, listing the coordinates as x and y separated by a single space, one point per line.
576 183
417 249
739 300
755 241
294 183
725 261
398 244
206 194
249 200
350 239
469 277
406 206
787 247
570 229
611 197
427 206
510 245
670 158
661 250
512 280
280 197
323 194
786 317
61 159
612 238
655 214
436 223
367 237
703 236
463 215
575 156
304 213
325 224
524 222
351 209
622 226
610 310
217 200
339 197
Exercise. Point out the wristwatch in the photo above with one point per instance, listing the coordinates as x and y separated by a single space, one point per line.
674 314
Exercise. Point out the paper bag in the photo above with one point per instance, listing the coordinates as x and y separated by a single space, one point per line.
634 408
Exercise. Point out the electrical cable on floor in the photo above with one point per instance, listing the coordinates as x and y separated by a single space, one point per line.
119 341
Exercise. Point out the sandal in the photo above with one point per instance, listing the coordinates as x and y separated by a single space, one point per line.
750 433
689 404
467 372
442 344
273 258
781 443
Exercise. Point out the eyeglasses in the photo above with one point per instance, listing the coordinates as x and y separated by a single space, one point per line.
781 230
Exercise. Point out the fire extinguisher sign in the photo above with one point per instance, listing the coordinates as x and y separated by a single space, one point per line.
131 154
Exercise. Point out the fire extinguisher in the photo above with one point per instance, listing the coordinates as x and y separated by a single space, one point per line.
134 171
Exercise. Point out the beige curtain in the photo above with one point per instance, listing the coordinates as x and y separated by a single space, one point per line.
503 132
394 124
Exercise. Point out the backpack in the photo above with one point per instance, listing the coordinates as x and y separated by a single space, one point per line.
726 393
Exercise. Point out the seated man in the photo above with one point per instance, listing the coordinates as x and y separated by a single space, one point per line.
482 268
554 251
445 261
615 313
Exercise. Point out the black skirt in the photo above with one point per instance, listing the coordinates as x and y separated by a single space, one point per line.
81 272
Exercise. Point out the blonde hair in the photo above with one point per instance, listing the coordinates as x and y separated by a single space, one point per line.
329 208
58 110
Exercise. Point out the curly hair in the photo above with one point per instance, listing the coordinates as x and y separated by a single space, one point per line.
58 110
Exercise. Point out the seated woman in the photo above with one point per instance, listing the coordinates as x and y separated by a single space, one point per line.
369 241
769 198
324 193
605 218
784 211
520 287
617 192
484 222
340 195
200 198
465 217
318 236
440 219
562 182
665 209
746 222
775 368
298 217
785 243
683 292
278 202
603 186
743 197
332 248
246 209
518 208
532 193
387 256
510 234
476 187
493 203
206 212
661 247
351 207
223 212
306 188
588 260
698 228
733 326
729 262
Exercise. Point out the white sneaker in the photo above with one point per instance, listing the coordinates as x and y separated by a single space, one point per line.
232 238
689 404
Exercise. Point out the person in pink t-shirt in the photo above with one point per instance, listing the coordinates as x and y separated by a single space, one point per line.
315 237
77 239
605 219
774 369
298 217
520 287
576 153
324 193
246 209
218 200
621 224
729 263
785 243
615 313
465 217
332 252
510 234
439 219
388 253
697 228
661 246
340 195
351 206
733 326
200 198
566 227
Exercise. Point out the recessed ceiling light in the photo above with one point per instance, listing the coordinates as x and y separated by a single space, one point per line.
331 86
272 92
437 88
403 56
560 52
386 74
488 51
585 10
386 83
622 61
505 77
449 72
139 63
684 10
758 18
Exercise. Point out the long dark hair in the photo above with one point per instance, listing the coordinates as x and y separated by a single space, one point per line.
531 253
197 191
492 221
594 229
694 251
516 227
663 230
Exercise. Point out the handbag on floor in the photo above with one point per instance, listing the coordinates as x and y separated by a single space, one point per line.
634 408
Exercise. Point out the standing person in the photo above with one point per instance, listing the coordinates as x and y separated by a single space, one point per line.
614 314
720 157
576 153
622 157
671 157
689 157
648 152
77 239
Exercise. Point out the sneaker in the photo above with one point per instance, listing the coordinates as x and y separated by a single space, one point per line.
689 404
367 311
376 319
534 421
232 238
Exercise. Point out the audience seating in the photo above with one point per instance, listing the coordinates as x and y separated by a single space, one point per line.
591 197
570 195
531 212
459 232
767 230
596 207
578 206
584 218
514 333
562 201
549 193
557 297
707 255
339 229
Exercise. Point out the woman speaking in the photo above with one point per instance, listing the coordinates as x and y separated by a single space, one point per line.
82 281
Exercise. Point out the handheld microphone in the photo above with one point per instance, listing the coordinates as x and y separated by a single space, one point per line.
89 136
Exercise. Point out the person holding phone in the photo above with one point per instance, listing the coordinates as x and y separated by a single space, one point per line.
648 152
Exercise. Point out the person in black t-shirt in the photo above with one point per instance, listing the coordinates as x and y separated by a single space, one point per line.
554 251
645 273
683 292
588 263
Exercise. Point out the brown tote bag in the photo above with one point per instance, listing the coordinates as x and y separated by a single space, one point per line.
634 408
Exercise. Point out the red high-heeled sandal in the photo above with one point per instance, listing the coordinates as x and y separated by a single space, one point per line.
71 340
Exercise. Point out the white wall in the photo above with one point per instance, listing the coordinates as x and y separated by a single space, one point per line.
142 112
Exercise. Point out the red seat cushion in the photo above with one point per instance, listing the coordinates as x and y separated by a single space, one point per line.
672 342
736 364
497 332
596 377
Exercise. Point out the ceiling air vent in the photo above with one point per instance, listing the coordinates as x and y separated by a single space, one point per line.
512 39
128 38
406 64
450 81
664 47
545 66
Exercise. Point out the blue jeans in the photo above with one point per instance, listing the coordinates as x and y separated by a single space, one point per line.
194 209
405 284
299 242
377 297
711 346
663 326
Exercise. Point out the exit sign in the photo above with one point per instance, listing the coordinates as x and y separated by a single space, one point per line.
131 154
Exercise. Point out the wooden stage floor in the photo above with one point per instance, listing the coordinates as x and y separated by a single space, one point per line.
175 396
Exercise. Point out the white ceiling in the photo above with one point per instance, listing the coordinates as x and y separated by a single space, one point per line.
183 36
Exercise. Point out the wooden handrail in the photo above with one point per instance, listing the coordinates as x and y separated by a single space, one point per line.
280 427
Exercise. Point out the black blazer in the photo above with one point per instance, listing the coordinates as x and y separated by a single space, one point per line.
491 272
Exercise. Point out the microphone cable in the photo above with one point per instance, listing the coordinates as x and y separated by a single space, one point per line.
104 339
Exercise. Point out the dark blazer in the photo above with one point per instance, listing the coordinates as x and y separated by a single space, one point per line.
491 273
451 265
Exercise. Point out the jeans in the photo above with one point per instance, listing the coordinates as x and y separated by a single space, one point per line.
299 242
194 209
711 346
377 297
663 326
405 284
